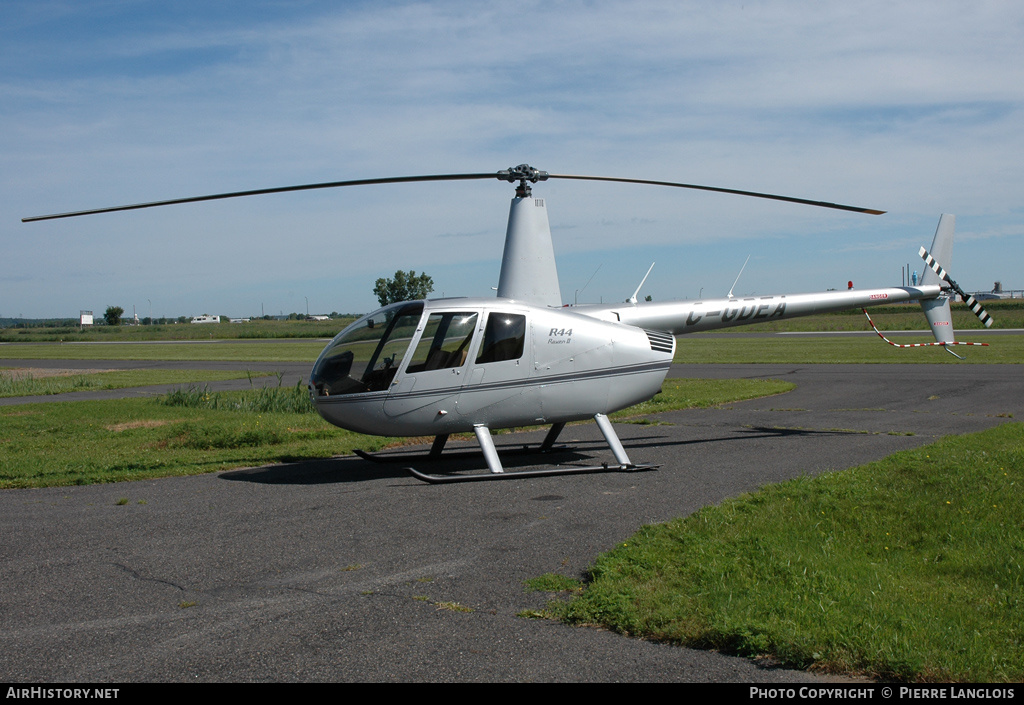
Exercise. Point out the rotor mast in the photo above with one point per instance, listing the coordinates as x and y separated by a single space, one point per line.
528 271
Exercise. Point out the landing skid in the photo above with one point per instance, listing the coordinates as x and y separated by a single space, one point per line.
497 472
405 458
546 472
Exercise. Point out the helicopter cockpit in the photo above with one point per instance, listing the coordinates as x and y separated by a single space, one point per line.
366 356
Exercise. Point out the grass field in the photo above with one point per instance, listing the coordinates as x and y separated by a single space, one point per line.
255 329
910 568
725 348
255 341
23 385
132 439
1006 314
251 351
810 350
195 431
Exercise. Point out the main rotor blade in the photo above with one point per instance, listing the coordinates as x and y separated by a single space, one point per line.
520 173
263 192
773 197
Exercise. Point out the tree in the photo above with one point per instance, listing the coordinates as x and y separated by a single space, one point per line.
404 286
113 315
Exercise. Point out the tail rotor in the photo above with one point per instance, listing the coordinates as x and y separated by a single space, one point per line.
936 308
971 302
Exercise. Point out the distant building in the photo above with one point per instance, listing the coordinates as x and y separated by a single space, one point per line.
206 318
997 293
318 318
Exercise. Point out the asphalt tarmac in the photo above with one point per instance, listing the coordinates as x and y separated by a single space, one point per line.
347 570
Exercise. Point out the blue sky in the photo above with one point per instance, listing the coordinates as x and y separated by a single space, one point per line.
910 107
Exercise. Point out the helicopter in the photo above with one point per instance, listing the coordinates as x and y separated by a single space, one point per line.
443 366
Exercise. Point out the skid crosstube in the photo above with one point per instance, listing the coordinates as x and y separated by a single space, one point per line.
547 446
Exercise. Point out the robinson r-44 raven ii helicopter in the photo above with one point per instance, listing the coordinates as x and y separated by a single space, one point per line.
457 365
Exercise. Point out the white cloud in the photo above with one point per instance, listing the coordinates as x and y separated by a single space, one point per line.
913 107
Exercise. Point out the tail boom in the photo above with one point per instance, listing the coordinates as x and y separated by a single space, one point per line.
681 317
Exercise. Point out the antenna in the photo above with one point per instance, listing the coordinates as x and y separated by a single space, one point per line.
738 275
632 299
576 298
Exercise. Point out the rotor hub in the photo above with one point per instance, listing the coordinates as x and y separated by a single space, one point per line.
523 173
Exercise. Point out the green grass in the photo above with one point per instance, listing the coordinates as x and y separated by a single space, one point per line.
12 386
689 349
179 331
194 431
1005 314
252 351
293 400
135 342
909 568
810 350
75 443
798 349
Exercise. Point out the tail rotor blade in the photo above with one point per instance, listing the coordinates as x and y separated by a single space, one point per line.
971 302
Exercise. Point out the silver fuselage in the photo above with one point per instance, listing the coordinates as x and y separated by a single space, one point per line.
561 366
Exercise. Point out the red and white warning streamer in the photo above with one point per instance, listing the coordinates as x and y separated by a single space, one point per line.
917 345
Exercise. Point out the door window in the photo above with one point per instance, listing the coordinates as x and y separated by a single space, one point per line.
444 343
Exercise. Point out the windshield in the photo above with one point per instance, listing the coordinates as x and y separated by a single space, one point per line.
365 356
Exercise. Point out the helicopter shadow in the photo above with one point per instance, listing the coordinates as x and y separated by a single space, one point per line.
355 469
326 471
746 433
392 465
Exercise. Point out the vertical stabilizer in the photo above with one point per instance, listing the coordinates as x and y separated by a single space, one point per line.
528 270
942 249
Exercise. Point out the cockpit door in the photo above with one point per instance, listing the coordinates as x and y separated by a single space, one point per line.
436 366
497 384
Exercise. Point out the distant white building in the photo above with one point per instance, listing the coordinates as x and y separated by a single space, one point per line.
206 318
319 318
